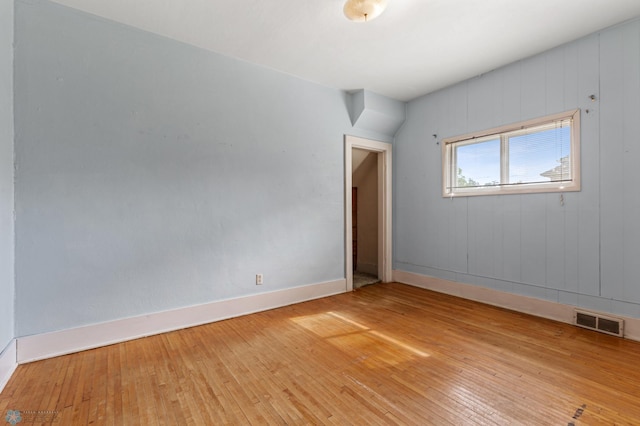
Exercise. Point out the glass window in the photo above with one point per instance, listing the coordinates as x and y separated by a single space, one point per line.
535 156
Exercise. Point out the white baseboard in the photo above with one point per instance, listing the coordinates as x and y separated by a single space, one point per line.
529 305
48 345
8 363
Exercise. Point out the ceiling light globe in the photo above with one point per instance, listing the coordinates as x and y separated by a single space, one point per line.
364 10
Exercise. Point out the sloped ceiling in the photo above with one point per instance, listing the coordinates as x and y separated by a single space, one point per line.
357 158
415 47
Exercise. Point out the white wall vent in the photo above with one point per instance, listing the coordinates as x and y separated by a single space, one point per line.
598 322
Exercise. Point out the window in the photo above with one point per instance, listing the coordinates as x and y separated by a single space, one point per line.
540 155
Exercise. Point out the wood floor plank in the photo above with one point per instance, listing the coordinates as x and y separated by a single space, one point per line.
385 354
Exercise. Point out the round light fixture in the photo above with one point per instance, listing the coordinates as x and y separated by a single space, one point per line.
364 10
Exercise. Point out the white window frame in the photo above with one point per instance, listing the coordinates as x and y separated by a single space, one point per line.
449 171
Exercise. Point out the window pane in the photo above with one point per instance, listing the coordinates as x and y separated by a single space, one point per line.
537 155
478 164
541 156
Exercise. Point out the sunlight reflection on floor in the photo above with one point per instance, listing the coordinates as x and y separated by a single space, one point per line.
354 337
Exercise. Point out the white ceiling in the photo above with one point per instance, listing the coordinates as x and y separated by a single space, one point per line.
413 48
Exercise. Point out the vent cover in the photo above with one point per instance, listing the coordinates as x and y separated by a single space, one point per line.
597 322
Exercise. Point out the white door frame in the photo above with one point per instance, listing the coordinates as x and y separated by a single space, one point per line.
385 240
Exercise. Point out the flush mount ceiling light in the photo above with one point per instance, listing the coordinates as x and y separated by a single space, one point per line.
364 10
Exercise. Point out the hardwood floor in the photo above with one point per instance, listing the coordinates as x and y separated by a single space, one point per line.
385 354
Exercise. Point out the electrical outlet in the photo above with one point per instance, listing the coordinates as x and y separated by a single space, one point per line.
259 279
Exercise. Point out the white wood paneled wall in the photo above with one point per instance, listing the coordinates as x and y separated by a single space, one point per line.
582 252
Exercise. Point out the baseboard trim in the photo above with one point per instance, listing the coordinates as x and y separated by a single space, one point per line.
528 305
8 363
48 345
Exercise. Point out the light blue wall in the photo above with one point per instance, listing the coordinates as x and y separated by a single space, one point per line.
153 175
583 253
6 175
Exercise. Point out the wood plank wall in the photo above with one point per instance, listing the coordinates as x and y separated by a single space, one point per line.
582 251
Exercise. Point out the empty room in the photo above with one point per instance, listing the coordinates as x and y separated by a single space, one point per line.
413 212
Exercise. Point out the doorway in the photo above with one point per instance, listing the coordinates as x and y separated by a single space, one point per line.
364 217
378 156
